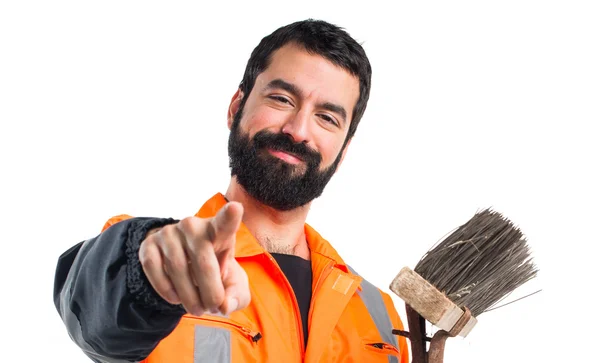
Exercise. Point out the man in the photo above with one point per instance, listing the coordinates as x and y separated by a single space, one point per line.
245 279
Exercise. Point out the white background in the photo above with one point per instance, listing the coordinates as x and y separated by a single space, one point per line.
119 107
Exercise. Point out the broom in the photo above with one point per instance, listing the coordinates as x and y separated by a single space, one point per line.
463 276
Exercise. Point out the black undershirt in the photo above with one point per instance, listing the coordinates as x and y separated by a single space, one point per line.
299 273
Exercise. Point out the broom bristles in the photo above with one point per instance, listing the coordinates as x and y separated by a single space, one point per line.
479 263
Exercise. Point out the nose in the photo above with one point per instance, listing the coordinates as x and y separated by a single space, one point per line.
297 126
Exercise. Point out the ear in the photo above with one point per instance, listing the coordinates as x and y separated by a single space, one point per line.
343 155
234 106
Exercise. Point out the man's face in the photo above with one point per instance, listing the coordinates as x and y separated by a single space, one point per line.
286 143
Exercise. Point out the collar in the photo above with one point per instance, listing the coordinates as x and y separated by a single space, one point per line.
246 245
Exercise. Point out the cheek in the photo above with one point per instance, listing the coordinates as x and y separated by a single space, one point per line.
329 147
261 119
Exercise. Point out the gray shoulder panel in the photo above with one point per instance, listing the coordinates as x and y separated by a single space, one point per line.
371 297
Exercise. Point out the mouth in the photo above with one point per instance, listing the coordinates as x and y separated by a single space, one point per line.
285 156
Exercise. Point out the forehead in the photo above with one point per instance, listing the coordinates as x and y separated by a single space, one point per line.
314 75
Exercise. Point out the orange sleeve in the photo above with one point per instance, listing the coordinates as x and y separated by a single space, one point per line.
397 324
114 220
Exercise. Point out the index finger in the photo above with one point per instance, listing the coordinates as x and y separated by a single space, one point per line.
223 227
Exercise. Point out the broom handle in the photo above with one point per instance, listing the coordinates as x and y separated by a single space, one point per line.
438 342
436 347
416 325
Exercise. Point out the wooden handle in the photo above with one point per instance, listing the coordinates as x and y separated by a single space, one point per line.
418 345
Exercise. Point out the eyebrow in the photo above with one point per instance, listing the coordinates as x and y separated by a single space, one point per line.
296 92
335 109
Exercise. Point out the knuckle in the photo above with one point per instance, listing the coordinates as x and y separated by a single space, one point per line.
168 234
151 239
176 264
147 256
203 263
189 224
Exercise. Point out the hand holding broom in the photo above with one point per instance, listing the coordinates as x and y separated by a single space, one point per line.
463 276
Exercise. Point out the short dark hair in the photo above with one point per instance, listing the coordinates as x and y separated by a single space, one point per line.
321 38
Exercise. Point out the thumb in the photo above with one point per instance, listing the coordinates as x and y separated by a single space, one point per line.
237 290
224 226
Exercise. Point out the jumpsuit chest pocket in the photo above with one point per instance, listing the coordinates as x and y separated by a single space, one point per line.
378 351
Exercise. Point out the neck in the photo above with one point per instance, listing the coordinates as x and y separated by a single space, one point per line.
276 231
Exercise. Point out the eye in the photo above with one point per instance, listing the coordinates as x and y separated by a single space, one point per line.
329 119
280 99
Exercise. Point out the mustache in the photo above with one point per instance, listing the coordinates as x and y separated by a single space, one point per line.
281 142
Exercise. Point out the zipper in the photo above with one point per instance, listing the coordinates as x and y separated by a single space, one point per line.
326 271
382 348
296 307
254 336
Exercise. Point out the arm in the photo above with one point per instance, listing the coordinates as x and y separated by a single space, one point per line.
104 298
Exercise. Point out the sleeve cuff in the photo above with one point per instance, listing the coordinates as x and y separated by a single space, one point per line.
137 282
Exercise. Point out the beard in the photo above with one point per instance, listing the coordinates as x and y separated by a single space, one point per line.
270 180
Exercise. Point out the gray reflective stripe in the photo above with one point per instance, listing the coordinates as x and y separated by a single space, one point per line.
71 321
212 345
371 297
